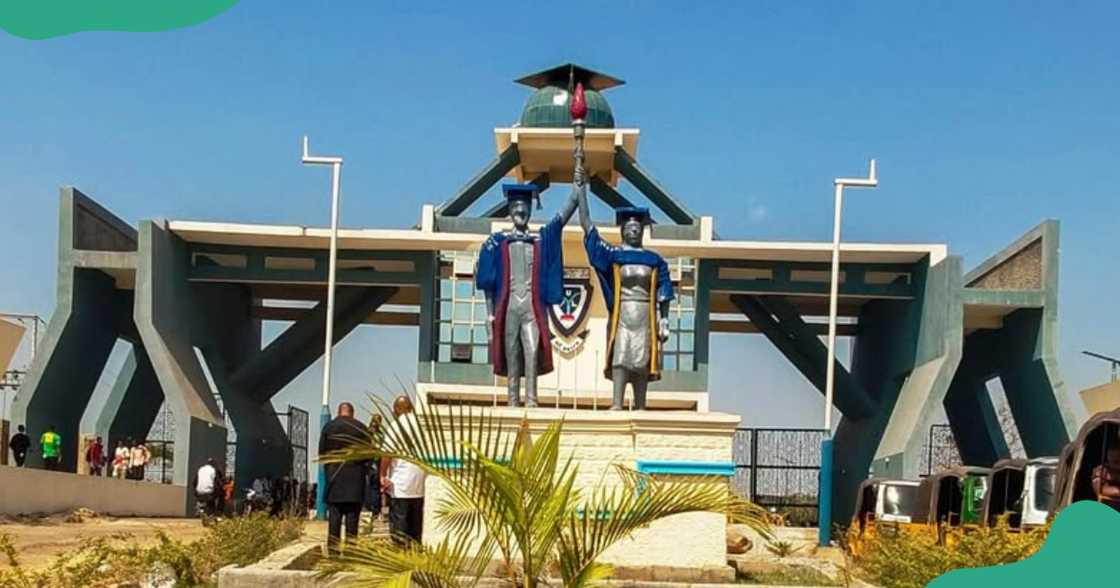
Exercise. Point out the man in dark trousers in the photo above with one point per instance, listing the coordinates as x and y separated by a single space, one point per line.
19 444
346 482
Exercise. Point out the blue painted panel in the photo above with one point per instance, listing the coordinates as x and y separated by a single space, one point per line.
687 468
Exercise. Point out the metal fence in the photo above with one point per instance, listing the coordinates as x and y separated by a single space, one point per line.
778 469
295 422
297 428
941 450
161 467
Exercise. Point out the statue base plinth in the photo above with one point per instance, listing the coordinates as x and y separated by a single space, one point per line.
662 443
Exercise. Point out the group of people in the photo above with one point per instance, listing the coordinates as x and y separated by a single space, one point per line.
128 460
50 447
352 484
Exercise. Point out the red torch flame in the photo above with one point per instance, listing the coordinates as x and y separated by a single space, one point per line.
578 107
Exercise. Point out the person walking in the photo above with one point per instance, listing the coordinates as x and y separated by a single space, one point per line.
374 499
120 461
207 488
51 445
404 482
138 458
95 457
346 481
19 444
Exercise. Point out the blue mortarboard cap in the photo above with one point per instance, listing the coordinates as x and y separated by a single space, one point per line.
625 213
526 192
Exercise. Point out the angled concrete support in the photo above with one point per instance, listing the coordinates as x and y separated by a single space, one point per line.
302 343
629 168
973 419
1020 349
90 314
133 403
613 198
779 322
905 357
166 317
478 185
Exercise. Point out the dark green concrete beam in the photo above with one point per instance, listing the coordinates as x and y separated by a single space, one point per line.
301 344
780 279
1017 298
478 186
613 198
1031 393
71 358
168 317
974 422
778 320
651 189
501 209
397 267
133 403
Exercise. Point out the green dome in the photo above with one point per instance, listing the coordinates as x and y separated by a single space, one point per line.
548 108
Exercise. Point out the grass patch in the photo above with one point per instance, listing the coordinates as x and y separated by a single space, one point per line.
786 575
119 560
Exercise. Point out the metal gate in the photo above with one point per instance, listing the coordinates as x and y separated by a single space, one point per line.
778 469
295 423
941 450
297 428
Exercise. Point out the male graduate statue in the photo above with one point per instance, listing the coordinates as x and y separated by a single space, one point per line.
521 274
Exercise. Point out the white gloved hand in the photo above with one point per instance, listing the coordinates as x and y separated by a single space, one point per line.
663 329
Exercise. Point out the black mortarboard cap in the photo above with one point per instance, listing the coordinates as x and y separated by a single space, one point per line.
567 76
625 213
526 192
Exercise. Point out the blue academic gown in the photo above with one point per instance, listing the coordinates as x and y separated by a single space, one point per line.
492 277
607 259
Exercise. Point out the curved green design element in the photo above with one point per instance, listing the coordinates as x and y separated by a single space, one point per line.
1081 550
548 108
44 19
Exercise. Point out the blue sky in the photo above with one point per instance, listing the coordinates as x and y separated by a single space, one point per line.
985 118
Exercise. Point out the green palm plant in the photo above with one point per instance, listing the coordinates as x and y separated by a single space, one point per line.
515 497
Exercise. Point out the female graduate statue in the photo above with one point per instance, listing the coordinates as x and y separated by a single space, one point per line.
637 290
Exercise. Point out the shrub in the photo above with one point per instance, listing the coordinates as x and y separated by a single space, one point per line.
120 560
913 557
782 549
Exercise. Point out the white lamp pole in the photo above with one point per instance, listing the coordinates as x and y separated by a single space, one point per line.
824 493
834 284
328 340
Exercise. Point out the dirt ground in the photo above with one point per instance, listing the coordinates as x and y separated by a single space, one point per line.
38 540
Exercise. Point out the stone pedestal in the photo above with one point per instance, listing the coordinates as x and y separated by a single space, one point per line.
664 443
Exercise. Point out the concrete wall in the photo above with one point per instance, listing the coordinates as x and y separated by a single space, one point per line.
39 491
599 441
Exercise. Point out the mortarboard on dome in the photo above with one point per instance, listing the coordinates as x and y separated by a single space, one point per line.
625 213
548 106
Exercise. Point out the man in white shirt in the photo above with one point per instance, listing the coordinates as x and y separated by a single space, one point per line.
138 460
206 487
120 461
404 483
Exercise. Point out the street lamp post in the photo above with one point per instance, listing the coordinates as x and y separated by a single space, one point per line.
824 491
328 339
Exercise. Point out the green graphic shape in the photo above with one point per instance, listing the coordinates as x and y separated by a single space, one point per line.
1081 550
43 19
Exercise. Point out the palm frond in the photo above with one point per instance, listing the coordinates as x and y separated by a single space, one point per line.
612 514
383 564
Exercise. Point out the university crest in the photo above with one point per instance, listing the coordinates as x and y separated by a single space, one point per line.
568 316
